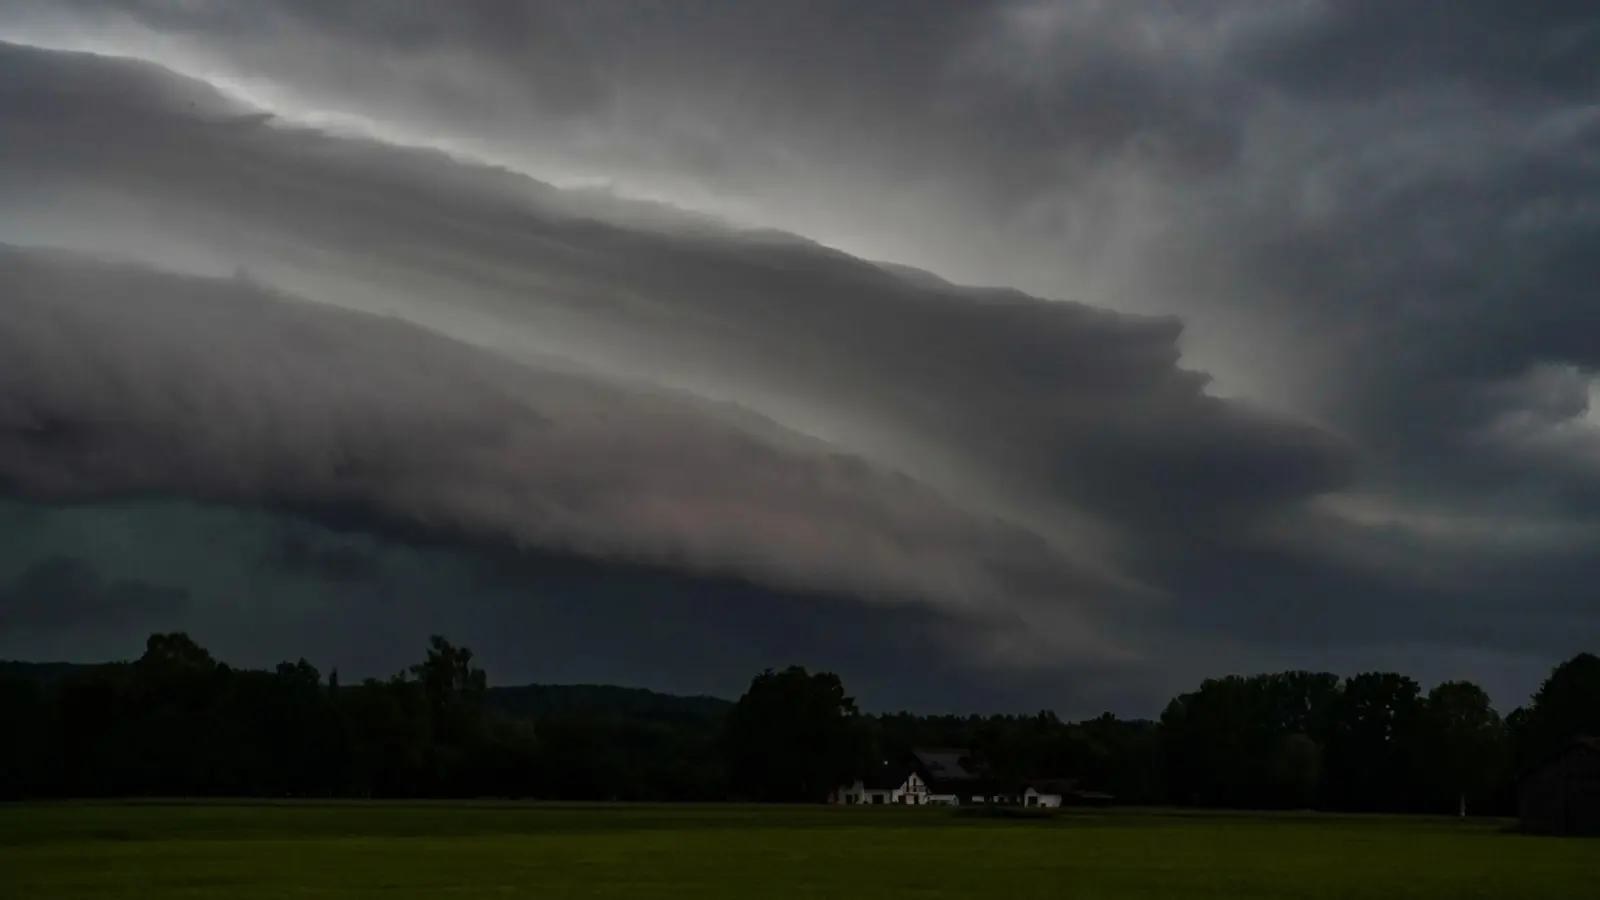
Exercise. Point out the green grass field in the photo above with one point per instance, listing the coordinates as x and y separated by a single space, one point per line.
243 851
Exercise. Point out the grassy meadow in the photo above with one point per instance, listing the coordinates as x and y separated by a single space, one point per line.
258 850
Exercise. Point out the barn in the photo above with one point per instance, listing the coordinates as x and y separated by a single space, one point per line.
1562 796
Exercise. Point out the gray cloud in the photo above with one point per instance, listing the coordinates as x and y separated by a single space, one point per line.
1371 219
1528 51
293 553
65 593
1018 394
124 382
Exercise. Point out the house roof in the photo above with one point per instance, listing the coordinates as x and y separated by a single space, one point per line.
945 763
885 778
1589 744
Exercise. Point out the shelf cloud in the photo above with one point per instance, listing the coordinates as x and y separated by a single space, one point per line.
1085 348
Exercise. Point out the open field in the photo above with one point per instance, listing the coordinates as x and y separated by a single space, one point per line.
242 851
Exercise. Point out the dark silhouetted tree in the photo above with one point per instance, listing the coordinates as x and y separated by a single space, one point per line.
177 722
1374 755
1465 744
794 737
1566 707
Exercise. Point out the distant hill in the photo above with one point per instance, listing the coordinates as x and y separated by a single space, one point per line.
531 700
539 700
43 673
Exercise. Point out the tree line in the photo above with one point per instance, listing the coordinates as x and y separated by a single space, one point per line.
176 722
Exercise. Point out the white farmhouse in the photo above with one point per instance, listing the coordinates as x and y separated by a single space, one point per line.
955 777
885 786
933 777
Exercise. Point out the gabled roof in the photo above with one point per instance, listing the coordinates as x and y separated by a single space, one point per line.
885 778
1586 744
945 764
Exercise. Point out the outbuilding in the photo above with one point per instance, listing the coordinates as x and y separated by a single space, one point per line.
1047 793
1562 796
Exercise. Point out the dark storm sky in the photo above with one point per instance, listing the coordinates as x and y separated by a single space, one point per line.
630 341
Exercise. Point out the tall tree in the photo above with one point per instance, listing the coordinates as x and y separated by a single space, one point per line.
453 689
794 737
1566 706
1302 702
181 698
1466 745
1219 741
1374 757
448 676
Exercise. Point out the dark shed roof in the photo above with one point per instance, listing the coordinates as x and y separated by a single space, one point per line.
885 778
1591 744
945 764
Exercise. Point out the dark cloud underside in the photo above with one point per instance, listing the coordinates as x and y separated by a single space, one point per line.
63 593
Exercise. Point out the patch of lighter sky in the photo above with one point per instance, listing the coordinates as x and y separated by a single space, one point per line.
290 107
1477 531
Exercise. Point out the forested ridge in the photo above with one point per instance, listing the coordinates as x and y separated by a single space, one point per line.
176 722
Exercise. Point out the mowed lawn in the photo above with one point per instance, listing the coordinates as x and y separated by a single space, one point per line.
241 851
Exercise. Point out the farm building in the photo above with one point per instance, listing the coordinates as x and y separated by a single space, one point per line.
929 777
1054 792
1048 792
1563 795
886 785
955 777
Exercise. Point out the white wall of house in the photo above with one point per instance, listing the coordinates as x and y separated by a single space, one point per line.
858 794
913 792
1031 797
850 794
